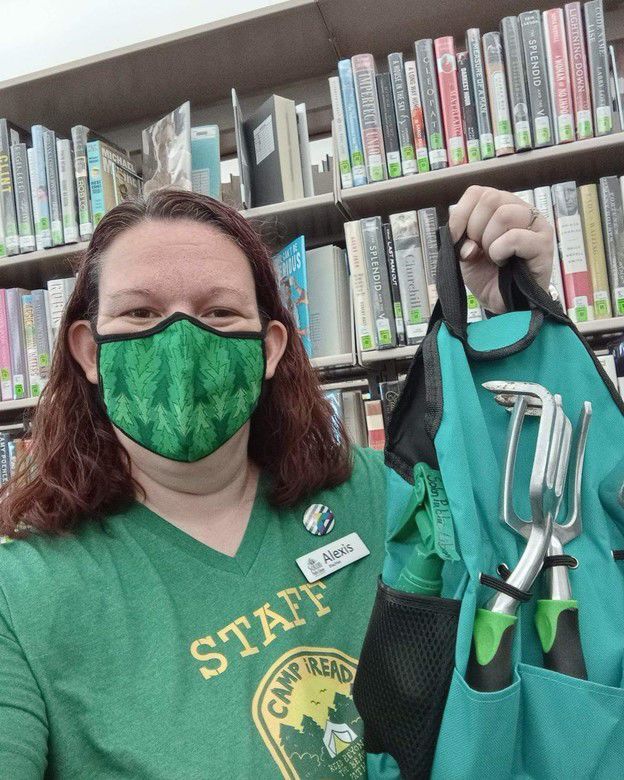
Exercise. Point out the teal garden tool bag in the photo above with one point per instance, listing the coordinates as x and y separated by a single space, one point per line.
448 437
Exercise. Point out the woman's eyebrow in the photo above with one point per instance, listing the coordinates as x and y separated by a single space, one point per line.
223 290
130 291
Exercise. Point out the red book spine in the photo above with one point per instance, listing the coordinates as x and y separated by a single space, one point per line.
450 100
374 423
579 72
559 73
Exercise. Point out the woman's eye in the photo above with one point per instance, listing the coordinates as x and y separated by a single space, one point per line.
140 314
220 313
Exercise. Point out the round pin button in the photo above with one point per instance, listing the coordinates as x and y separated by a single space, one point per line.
318 519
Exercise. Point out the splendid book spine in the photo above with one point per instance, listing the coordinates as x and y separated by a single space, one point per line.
362 305
370 119
54 190
598 66
19 369
389 125
486 138
516 82
417 117
68 193
23 200
428 84
537 78
543 202
613 230
411 274
450 100
497 89
340 129
402 112
394 284
576 277
40 192
80 135
579 71
354 135
469 111
34 201
96 186
41 335
378 281
428 228
30 345
589 208
7 192
6 384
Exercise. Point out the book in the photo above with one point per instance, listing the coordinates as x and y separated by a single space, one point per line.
67 191
474 311
206 161
352 123
378 282
559 75
355 416
612 212
390 393
42 344
616 95
450 100
417 117
362 301
166 150
542 197
428 85
23 199
486 138
46 299
516 83
9 135
374 424
31 157
54 187
59 291
39 181
616 52
428 228
17 346
5 466
80 136
364 72
395 290
589 209
497 90
242 154
340 130
303 134
576 278
389 125
329 307
125 184
411 274
335 401
598 57
103 161
403 113
579 71
290 266
468 107
35 381
6 383
537 78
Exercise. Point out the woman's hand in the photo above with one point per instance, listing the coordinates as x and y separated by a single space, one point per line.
499 226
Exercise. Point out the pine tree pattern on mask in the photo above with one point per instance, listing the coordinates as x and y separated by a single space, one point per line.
181 392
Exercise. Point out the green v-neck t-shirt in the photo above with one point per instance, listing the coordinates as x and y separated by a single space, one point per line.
132 650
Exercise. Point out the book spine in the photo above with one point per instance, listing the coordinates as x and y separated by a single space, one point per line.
543 203
21 179
613 231
5 471
342 144
579 72
389 125
614 81
516 82
370 119
34 202
362 308
497 89
486 138
68 193
576 278
428 84
450 100
304 151
417 117
46 297
469 111
57 301
378 281
7 189
559 75
354 135
79 142
6 384
598 66
537 78
411 274
40 190
474 311
428 228
19 372
374 423
110 163
41 335
402 112
94 163
589 208
54 190
394 284
30 345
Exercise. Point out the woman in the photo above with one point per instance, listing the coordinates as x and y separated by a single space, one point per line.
154 622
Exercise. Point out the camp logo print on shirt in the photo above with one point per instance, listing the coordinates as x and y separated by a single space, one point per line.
304 711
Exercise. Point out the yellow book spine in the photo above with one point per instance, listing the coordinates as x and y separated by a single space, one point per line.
594 249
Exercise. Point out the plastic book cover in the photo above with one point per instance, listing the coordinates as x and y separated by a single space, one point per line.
450 100
537 78
475 55
559 75
206 161
352 122
290 266
167 151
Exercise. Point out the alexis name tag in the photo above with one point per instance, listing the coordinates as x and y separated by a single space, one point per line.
333 556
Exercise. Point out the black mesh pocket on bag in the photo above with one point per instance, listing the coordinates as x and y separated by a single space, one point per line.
404 674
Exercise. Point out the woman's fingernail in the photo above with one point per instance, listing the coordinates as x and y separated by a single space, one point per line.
467 248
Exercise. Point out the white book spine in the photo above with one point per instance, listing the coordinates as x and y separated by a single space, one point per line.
362 307
56 292
40 236
68 192
543 203
344 162
304 149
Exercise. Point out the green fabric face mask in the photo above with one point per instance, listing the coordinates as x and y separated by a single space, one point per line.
180 389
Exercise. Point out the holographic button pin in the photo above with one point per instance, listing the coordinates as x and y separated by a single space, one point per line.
318 519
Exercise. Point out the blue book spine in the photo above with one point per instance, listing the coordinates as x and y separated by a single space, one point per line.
41 186
94 163
290 265
206 161
354 136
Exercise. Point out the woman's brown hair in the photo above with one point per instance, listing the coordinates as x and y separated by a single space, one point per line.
76 469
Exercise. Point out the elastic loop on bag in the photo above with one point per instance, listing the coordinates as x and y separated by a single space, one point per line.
504 587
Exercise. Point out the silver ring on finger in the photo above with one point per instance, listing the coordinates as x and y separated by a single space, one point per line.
534 214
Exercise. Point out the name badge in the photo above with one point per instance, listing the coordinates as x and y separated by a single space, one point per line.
333 556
